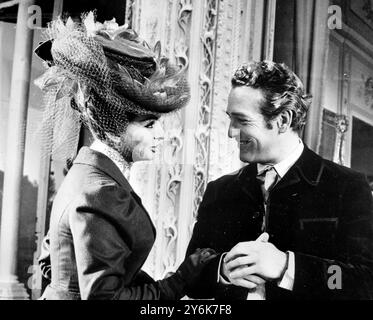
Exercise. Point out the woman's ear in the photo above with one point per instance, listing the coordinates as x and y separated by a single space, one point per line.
284 120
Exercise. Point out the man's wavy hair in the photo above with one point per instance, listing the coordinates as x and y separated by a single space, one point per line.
281 88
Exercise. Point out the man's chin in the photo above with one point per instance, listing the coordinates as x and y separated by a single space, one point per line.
244 157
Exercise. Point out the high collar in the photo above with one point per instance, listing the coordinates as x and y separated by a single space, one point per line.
94 158
112 154
102 162
308 168
284 166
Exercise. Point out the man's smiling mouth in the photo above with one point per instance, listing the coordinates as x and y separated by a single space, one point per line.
245 142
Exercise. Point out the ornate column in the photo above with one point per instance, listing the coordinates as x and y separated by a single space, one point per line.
10 288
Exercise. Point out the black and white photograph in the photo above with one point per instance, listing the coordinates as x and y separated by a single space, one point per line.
198 151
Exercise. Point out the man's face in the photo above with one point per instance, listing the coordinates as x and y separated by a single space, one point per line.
247 125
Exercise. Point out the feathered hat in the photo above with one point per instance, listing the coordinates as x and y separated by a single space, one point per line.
105 73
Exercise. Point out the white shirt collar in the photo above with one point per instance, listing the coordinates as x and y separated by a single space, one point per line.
112 154
283 167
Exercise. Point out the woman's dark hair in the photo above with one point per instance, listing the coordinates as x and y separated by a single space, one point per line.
281 88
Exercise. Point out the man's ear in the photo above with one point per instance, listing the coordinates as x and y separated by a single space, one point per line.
284 120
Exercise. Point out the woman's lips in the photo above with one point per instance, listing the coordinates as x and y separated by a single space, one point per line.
154 149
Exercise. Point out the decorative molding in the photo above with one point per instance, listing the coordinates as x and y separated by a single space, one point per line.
341 125
333 136
172 26
223 154
202 36
184 17
181 12
208 39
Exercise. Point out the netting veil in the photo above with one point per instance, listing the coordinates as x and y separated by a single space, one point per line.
101 75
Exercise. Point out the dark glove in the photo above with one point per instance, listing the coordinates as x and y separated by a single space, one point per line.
192 266
45 259
173 287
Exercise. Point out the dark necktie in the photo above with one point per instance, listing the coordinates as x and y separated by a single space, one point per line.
267 178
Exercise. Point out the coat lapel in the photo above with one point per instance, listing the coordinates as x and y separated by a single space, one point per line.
103 163
308 168
249 185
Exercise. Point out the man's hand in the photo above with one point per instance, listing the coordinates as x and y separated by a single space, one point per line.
248 263
250 281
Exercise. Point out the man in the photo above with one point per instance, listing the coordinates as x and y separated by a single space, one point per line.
290 225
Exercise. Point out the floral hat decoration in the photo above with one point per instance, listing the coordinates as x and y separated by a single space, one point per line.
101 74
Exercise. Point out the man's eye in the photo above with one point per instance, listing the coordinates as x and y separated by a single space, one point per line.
150 125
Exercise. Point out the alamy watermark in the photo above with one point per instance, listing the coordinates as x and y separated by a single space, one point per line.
335 17
335 280
35 19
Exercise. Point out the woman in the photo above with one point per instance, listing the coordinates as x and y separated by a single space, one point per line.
100 234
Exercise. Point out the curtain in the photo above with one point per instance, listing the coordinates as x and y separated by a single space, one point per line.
301 41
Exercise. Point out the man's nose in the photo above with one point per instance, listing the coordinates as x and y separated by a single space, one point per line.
230 130
233 132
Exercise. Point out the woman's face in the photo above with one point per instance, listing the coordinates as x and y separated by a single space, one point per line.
142 138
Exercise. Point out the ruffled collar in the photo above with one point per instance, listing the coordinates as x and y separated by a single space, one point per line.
113 155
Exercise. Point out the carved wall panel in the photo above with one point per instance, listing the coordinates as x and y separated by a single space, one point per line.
208 39
240 38
224 156
158 183
205 37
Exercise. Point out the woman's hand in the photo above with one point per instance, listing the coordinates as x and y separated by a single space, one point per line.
193 265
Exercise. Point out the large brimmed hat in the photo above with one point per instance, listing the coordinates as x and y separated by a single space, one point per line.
106 73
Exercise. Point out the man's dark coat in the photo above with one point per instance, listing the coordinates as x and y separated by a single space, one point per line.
319 210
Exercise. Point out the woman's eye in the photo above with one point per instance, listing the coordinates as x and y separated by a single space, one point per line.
150 125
